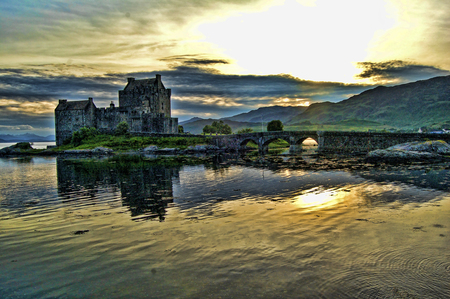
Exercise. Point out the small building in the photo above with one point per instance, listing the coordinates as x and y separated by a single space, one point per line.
143 104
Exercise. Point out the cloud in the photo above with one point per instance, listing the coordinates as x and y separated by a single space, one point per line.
397 71
420 33
192 60
28 96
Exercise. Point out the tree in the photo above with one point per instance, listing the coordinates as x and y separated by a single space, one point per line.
217 127
180 129
226 129
275 125
122 128
245 130
208 129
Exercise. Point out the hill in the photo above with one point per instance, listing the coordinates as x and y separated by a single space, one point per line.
251 119
196 127
266 114
412 105
26 138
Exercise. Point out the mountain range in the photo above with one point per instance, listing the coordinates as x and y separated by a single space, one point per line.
409 106
417 104
26 138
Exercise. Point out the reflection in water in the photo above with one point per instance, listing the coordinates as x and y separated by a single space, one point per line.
230 231
317 198
146 189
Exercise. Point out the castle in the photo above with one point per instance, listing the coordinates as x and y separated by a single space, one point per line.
143 104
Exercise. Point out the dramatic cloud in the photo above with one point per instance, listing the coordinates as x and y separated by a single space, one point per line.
397 71
220 57
29 97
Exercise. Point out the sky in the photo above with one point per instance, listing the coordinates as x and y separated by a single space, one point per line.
219 57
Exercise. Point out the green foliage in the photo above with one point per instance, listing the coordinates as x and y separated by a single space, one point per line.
125 142
245 130
83 134
180 129
23 145
76 138
275 125
122 128
208 129
217 127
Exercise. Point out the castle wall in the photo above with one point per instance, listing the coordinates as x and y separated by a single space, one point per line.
69 121
109 118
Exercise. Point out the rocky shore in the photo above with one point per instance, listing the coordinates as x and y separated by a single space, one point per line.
427 151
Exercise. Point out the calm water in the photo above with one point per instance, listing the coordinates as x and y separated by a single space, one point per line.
105 229
36 145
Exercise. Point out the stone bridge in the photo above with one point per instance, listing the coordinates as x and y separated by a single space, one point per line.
328 141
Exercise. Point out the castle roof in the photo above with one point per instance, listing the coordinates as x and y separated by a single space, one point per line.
133 83
73 105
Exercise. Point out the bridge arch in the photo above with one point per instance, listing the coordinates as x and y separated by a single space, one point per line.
245 141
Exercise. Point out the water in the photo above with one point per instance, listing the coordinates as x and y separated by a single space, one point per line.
107 229
35 145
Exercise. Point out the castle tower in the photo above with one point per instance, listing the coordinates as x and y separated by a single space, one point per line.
146 95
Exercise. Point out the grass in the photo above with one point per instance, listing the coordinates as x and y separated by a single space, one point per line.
123 143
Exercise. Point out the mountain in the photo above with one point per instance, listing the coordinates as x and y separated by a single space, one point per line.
26 138
266 114
194 119
196 127
251 119
412 105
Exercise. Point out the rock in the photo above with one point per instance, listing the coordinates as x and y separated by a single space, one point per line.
8 151
151 148
421 151
202 148
102 150
15 148
78 152
168 150
436 146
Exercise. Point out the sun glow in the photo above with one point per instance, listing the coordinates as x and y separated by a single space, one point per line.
317 198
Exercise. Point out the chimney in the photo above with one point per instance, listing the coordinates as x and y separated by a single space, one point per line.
91 100
111 105
158 78
62 101
130 80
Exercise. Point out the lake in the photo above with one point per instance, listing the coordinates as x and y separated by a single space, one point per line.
36 145
99 228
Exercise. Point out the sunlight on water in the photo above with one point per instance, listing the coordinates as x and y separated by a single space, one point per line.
317 198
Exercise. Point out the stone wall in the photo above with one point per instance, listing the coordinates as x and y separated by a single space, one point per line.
364 142
328 142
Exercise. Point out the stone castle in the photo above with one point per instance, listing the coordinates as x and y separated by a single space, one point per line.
143 104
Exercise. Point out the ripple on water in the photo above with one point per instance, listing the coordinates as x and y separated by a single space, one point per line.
235 232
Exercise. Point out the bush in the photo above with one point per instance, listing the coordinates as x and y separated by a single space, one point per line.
180 129
23 145
122 128
245 130
83 134
275 125
77 138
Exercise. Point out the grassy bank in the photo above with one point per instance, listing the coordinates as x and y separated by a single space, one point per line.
124 143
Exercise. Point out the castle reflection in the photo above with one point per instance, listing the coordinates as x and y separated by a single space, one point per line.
144 188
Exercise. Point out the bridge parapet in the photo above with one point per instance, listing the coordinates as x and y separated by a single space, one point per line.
364 142
263 139
328 141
